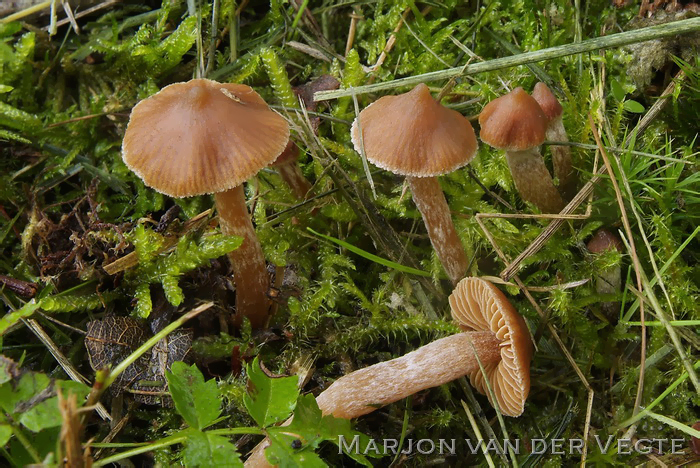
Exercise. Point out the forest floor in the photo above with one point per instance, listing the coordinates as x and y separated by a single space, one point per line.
108 284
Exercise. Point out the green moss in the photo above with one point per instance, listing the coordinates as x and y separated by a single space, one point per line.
64 102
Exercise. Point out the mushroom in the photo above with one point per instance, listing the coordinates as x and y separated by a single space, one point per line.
607 280
561 154
495 335
515 122
203 137
415 136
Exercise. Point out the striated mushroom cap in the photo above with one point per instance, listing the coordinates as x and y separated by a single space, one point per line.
513 122
414 135
547 100
478 305
202 137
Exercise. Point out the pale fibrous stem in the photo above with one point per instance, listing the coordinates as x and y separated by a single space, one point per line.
431 203
533 180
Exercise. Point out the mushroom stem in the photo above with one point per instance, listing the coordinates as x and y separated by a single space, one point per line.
533 180
432 205
434 364
249 268
561 158
292 176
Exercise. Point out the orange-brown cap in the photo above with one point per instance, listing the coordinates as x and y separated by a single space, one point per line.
514 122
547 101
478 305
202 137
414 135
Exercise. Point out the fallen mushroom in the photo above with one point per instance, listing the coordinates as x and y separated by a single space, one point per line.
561 154
515 122
495 336
203 137
607 280
415 136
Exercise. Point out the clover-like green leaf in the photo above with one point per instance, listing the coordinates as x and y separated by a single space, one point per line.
197 401
312 428
204 450
46 414
270 400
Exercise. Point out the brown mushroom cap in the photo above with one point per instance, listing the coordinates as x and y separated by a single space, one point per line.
414 135
604 240
478 305
547 101
514 122
202 137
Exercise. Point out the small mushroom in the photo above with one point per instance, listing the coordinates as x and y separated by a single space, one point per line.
415 136
515 122
607 280
561 154
494 332
203 137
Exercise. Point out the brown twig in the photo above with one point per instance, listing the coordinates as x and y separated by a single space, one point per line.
354 18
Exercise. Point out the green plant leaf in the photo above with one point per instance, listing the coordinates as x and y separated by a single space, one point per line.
28 386
197 401
13 317
46 414
203 449
633 106
617 91
5 434
270 400
312 428
282 453
42 416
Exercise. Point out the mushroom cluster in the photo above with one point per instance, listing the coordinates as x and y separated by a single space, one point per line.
516 123
203 137
495 338
413 135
